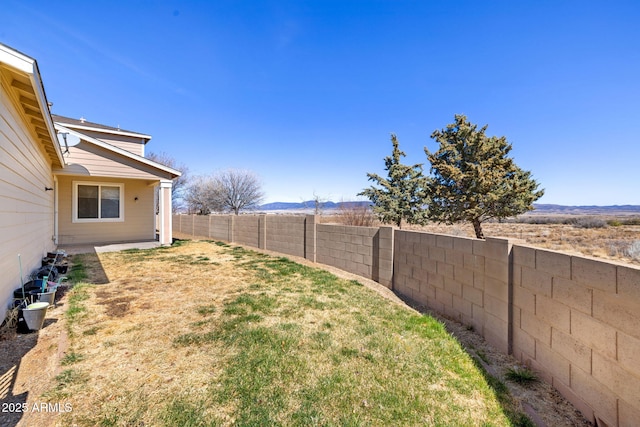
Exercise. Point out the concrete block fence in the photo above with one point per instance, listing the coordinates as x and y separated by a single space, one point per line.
575 320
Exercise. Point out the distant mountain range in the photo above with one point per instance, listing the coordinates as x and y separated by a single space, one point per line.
586 210
310 205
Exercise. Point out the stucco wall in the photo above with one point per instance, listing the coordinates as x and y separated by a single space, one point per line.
139 215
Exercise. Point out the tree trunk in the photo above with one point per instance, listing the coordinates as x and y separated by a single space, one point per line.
477 227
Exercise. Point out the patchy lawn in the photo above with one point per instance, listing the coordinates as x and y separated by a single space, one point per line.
203 333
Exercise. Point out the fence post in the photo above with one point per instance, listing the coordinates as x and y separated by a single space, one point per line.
383 257
231 228
510 282
310 237
262 231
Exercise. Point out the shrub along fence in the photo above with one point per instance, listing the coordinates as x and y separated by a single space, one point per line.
573 319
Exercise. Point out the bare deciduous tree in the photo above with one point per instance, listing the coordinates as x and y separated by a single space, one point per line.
179 184
241 189
229 190
203 196
357 214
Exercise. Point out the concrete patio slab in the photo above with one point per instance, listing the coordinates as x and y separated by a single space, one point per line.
114 247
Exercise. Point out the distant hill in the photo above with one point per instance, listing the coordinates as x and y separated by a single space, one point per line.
586 210
308 205
540 209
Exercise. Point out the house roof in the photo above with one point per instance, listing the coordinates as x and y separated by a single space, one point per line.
83 124
24 86
118 150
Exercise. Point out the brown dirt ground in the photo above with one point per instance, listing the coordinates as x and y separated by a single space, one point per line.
28 366
607 243
31 362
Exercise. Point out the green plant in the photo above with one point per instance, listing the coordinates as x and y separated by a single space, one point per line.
67 382
71 358
77 272
401 196
206 309
521 375
474 179
78 294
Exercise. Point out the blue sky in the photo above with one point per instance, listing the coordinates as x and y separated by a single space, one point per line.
306 93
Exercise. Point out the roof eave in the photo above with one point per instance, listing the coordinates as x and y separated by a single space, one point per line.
44 106
29 66
102 130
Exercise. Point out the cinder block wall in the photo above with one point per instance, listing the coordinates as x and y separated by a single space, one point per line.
183 224
345 247
577 321
286 234
246 230
573 319
221 227
461 278
365 251
201 225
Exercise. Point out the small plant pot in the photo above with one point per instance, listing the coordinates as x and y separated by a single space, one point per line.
47 296
34 315
28 288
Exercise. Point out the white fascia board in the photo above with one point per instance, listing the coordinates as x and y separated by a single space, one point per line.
114 132
16 59
118 150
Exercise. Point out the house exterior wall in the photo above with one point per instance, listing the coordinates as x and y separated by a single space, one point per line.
90 160
129 143
26 210
139 215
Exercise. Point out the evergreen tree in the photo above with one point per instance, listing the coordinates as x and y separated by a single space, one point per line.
402 193
474 179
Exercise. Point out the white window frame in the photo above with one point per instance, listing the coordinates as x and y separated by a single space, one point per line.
99 185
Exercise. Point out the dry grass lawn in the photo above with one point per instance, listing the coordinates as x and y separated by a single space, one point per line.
207 334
